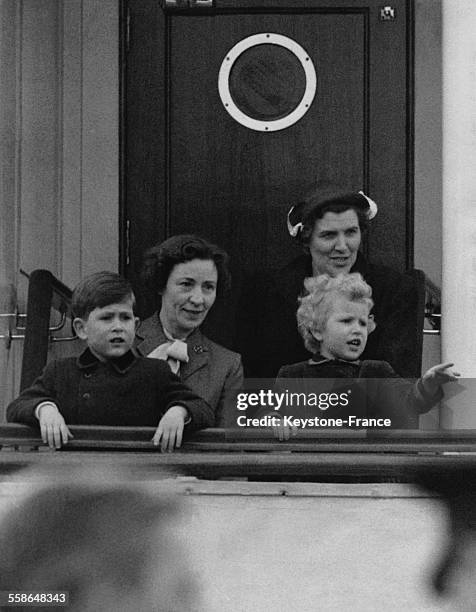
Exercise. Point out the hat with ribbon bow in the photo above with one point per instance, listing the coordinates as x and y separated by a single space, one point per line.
298 214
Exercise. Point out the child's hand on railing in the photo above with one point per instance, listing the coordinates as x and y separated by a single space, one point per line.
170 429
282 431
54 430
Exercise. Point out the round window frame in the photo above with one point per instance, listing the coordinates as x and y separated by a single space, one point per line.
275 124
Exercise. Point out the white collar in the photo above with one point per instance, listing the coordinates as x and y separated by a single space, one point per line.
328 360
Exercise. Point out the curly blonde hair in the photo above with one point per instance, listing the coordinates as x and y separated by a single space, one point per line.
316 304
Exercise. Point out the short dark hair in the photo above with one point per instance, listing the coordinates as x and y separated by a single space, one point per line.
99 290
160 260
334 207
322 201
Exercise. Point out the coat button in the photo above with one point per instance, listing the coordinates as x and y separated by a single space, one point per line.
86 395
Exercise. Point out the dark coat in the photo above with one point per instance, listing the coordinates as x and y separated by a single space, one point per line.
129 391
376 389
267 330
212 371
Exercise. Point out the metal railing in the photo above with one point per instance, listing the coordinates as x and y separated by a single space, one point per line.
60 302
432 308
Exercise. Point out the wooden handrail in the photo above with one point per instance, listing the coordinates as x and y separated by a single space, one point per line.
256 440
45 292
354 456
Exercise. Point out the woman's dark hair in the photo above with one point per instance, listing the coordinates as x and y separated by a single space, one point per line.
160 260
317 204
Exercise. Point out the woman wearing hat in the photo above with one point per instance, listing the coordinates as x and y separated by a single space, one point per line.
329 225
187 272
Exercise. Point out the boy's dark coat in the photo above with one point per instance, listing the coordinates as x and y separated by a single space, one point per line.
129 391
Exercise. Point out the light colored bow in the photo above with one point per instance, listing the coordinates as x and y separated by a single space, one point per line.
173 352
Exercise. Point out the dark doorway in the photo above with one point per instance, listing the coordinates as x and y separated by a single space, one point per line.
190 166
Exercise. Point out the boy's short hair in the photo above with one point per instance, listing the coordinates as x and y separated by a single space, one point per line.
99 290
315 306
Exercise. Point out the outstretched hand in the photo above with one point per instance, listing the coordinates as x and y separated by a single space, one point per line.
437 376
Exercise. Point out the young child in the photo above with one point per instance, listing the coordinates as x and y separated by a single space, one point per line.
108 384
334 320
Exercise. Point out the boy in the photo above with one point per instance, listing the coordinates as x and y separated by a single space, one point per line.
108 384
334 320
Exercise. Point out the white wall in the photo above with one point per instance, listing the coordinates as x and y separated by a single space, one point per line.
59 139
459 203
428 153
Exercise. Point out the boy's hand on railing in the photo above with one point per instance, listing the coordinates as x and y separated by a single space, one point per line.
437 376
170 429
283 431
54 430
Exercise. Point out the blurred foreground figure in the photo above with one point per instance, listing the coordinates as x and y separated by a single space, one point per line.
112 547
455 574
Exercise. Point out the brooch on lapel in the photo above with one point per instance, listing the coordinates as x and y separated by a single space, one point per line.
198 348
